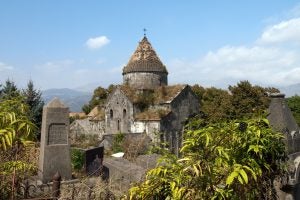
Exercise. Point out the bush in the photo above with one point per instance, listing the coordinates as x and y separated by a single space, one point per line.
230 160
77 159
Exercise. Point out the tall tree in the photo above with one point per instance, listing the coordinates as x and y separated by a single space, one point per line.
33 99
248 100
216 104
9 90
294 105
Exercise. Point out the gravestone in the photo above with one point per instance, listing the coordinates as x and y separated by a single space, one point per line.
93 161
55 147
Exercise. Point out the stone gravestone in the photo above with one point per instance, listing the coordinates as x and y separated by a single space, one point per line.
93 160
55 147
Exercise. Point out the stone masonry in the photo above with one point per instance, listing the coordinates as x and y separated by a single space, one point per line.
55 147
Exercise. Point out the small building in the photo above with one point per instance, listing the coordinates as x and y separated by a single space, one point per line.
92 124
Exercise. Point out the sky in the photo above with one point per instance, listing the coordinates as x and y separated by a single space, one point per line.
72 44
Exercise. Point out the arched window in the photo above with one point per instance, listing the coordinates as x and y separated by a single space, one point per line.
124 112
111 113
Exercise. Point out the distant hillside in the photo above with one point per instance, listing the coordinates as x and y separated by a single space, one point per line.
291 90
72 98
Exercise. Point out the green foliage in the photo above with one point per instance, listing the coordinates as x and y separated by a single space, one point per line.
16 131
199 91
216 103
144 99
99 97
77 159
15 127
117 145
294 104
32 97
9 90
248 100
239 101
228 160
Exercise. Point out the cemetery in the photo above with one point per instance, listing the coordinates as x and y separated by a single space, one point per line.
151 140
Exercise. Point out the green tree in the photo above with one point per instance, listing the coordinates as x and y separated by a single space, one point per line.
294 104
16 132
32 97
99 97
216 104
248 100
9 90
198 91
229 160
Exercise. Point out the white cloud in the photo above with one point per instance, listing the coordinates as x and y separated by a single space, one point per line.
5 67
97 42
283 32
271 60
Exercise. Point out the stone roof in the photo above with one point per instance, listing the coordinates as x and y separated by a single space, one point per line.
144 59
282 120
280 115
160 95
77 114
152 115
97 114
55 103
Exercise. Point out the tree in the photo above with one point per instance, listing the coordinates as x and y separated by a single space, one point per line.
294 104
9 90
99 97
228 160
32 97
16 132
216 104
198 91
248 100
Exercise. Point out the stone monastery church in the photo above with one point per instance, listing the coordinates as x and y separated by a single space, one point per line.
145 103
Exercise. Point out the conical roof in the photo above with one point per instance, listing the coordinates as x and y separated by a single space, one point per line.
144 59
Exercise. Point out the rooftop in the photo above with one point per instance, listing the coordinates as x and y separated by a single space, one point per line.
144 59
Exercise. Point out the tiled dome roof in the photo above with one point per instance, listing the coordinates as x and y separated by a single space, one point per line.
144 59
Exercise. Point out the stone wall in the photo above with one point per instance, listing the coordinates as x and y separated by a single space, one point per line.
149 127
183 106
145 80
87 127
118 113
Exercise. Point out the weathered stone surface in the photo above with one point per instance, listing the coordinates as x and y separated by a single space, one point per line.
144 69
118 113
145 80
282 120
93 161
55 148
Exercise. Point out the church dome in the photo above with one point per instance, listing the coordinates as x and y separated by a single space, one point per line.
144 59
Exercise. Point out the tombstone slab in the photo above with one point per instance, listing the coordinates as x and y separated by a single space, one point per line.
93 161
55 147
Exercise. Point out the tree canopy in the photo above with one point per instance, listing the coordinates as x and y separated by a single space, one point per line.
294 104
229 160
239 101
99 98
32 97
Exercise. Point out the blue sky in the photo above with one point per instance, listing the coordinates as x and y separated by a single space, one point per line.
68 44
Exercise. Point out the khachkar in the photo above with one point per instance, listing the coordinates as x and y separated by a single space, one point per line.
55 147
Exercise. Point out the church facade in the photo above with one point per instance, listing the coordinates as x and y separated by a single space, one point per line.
145 103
